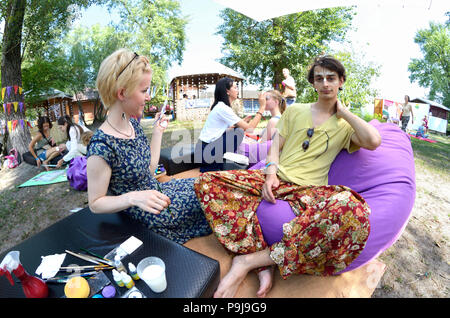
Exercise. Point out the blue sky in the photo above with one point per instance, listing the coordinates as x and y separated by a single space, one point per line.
385 34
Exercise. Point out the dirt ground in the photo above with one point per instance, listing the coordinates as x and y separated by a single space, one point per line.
418 264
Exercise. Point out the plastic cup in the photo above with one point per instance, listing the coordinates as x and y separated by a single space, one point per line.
152 270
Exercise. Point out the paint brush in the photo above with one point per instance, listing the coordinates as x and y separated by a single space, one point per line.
64 279
94 267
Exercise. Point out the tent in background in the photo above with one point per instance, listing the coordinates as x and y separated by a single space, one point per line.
438 115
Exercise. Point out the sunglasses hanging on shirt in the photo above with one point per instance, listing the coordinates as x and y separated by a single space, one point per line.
306 143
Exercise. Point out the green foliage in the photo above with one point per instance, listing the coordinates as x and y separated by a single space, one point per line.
157 30
48 20
70 63
433 70
260 50
360 74
357 91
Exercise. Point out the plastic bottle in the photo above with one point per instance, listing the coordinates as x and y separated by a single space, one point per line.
117 278
129 283
119 265
133 271
33 287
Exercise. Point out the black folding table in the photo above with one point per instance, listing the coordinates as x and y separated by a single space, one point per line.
189 274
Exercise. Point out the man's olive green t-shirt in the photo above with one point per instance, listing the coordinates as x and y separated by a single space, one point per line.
311 167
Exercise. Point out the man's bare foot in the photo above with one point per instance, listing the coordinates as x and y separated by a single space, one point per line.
265 282
229 285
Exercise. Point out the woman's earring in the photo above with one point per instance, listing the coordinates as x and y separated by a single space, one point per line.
124 116
340 88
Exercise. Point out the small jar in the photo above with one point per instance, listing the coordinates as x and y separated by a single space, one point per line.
129 283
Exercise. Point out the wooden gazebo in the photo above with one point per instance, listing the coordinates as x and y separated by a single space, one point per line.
197 77
54 98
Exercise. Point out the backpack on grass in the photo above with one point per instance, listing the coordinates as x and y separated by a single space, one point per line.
77 174
13 159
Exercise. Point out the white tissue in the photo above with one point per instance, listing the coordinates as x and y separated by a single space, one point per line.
238 158
130 245
50 265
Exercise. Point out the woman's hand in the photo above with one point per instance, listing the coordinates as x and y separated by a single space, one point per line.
262 101
60 163
161 123
149 200
272 182
38 162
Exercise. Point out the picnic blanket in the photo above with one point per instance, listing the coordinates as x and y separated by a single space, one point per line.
46 177
425 139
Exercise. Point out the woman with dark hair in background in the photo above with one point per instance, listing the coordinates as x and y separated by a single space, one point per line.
46 148
223 130
74 139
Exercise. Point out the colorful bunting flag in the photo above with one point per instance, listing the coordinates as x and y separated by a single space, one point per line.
15 106
3 92
9 125
15 89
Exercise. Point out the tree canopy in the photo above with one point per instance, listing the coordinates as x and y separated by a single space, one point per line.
155 29
433 69
39 43
260 50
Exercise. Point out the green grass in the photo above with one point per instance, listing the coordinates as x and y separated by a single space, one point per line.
434 155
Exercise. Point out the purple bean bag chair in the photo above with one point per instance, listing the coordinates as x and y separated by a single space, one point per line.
256 152
384 177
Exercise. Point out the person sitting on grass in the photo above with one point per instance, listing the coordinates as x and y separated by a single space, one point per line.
74 134
43 147
329 225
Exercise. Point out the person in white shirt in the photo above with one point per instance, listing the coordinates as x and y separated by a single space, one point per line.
74 143
223 130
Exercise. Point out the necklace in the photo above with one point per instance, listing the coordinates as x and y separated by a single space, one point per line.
119 130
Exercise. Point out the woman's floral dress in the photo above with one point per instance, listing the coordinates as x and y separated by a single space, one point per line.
129 160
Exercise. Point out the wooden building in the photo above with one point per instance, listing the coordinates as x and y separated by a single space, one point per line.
194 82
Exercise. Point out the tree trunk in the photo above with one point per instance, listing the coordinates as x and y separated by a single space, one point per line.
12 92
277 64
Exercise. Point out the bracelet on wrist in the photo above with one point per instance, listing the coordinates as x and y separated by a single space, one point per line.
260 114
270 164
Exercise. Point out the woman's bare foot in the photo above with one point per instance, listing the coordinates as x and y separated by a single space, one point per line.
229 285
265 282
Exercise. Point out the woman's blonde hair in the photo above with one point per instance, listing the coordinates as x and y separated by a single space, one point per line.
281 101
122 69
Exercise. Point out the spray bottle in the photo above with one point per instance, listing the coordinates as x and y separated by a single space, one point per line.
32 286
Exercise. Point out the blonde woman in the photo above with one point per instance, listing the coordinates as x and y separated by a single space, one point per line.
121 160
257 151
